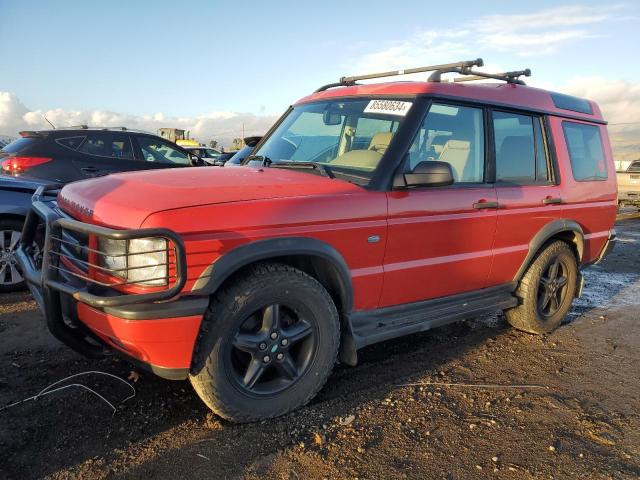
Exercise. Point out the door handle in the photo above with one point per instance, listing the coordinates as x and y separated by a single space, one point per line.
89 169
483 205
551 201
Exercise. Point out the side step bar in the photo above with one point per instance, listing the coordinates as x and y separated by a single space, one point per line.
375 326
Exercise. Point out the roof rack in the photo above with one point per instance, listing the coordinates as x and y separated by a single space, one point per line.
87 127
470 75
348 81
464 68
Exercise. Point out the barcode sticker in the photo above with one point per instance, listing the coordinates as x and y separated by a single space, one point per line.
390 107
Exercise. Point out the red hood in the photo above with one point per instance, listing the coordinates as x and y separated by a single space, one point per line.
125 199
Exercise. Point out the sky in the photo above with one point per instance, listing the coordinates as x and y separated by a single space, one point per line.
212 67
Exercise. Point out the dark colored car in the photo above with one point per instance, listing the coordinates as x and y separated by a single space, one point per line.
15 202
207 154
74 154
226 156
62 156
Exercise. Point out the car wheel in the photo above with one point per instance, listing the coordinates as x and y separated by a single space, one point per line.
10 276
267 345
546 290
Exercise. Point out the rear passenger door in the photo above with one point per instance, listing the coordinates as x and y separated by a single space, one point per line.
526 187
440 238
105 152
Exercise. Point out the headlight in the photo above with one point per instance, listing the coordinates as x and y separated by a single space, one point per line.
142 261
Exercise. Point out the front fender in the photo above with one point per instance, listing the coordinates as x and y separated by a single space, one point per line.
220 270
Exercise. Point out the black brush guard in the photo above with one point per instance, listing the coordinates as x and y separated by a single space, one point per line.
53 286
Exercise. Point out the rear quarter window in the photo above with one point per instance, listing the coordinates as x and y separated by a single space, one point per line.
70 142
586 153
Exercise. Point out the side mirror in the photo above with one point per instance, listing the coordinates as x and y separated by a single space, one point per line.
429 174
196 160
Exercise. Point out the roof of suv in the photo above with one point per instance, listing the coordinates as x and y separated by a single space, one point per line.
500 94
81 130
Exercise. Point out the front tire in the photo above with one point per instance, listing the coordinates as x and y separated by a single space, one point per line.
267 345
546 290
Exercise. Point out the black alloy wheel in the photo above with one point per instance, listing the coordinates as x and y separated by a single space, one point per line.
552 290
272 349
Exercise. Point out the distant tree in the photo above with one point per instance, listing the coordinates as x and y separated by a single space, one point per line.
213 144
238 143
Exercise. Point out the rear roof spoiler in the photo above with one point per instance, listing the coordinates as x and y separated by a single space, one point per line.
33 134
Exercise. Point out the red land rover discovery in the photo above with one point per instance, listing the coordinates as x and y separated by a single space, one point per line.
366 213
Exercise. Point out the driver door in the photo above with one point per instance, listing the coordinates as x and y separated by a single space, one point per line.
440 239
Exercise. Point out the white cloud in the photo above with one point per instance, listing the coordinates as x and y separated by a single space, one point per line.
550 18
620 105
220 126
537 33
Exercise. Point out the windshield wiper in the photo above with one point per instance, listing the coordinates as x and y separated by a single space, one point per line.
267 162
323 169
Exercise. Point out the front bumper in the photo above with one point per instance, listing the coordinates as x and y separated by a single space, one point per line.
89 315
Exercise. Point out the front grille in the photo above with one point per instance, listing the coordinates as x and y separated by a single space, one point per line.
74 248
74 264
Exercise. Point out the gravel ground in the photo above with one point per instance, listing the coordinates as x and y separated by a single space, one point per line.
568 408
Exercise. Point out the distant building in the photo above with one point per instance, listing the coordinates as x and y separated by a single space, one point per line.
173 134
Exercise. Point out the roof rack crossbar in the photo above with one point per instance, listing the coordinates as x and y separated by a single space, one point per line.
464 64
509 77
349 81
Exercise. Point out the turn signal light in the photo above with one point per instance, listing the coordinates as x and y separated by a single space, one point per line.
18 165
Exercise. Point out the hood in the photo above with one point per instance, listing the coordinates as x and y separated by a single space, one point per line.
124 200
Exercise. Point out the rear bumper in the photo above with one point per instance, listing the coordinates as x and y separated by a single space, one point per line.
608 246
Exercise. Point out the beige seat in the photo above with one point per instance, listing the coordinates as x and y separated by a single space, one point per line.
380 142
456 153
360 159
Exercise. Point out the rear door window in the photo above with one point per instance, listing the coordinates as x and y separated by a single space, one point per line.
521 154
108 145
586 153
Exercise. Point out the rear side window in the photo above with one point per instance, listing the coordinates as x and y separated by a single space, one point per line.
159 151
521 155
108 145
585 151
70 142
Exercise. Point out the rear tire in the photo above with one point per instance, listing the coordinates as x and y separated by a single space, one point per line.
546 291
267 345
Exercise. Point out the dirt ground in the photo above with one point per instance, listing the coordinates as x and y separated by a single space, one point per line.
569 406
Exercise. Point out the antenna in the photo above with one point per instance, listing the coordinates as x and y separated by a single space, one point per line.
47 120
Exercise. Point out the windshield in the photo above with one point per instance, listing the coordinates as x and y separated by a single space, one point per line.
347 136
